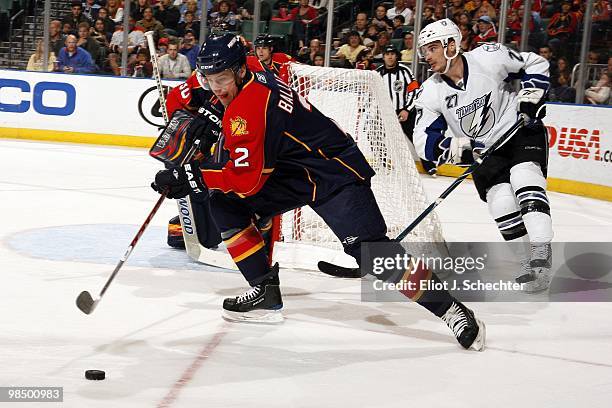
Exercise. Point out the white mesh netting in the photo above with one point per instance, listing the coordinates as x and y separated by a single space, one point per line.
357 100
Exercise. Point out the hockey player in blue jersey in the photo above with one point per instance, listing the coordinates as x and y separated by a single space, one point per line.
284 154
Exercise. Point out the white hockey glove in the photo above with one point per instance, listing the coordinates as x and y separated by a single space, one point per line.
452 149
530 101
478 149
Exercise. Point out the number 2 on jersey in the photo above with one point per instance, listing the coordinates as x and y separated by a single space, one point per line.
241 160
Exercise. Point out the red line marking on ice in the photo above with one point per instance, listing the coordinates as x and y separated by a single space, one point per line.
194 367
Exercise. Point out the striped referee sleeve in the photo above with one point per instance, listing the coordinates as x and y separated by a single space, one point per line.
411 86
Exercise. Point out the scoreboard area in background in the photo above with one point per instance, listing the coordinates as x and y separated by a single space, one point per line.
125 112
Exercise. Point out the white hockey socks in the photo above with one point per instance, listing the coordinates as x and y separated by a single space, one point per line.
506 212
529 186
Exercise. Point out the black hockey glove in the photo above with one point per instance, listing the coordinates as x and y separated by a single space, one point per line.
206 127
531 103
180 181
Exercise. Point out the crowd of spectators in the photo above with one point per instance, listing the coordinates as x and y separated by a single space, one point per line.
555 32
90 38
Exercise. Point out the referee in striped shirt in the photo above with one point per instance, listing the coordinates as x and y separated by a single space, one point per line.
401 86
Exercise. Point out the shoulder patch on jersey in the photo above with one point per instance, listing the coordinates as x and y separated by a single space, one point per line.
261 77
491 47
238 126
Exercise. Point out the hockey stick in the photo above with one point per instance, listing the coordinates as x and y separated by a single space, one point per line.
343 272
160 87
188 227
477 163
85 301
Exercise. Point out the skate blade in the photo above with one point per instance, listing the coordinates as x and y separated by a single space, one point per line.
481 338
540 283
538 264
534 282
260 316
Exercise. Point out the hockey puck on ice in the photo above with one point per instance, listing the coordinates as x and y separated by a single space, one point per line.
95 374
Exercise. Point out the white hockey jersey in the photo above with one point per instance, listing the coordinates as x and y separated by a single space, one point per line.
483 105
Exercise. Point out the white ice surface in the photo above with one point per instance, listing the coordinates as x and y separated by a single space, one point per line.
68 212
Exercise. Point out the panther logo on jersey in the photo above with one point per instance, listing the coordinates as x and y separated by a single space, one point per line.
238 126
477 118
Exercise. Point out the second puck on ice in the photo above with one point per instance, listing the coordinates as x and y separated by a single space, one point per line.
95 374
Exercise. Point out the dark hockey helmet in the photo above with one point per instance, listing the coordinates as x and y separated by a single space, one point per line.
264 40
221 52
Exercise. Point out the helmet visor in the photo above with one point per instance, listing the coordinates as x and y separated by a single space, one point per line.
220 79
424 50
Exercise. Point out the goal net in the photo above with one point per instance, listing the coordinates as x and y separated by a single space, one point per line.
358 101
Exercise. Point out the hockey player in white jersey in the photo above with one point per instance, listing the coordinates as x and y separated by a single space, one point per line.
470 95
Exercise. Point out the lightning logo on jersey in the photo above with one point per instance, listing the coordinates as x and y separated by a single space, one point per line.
477 118
480 104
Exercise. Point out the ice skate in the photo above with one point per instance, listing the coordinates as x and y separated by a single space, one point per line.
469 331
541 258
260 304
536 272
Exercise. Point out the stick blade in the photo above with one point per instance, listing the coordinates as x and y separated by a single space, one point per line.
85 302
339 271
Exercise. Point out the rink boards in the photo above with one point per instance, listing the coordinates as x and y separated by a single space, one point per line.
125 112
